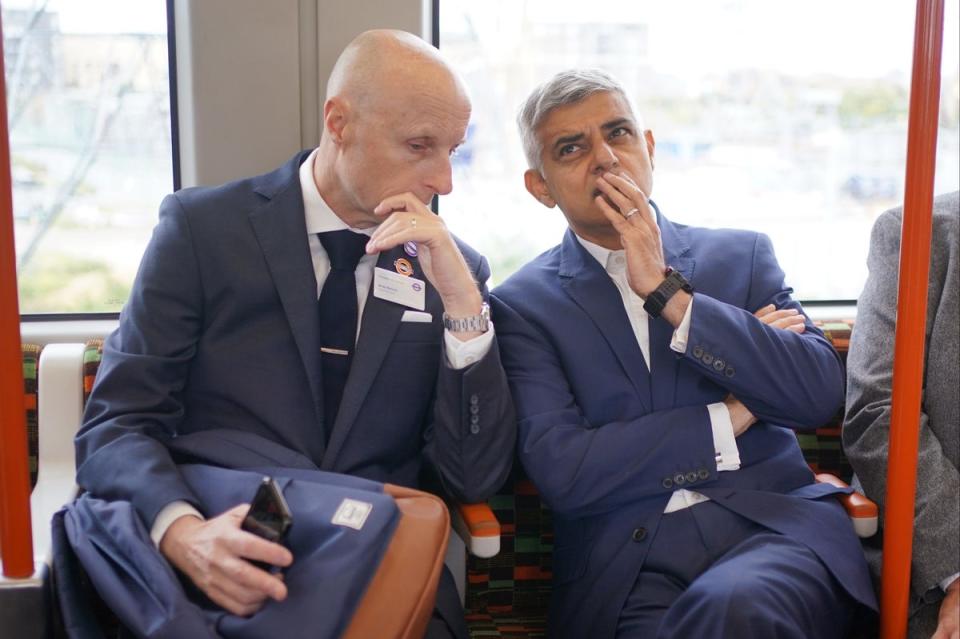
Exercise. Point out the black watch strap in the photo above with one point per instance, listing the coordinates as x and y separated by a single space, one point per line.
658 299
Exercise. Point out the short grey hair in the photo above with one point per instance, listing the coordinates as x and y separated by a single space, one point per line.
567 87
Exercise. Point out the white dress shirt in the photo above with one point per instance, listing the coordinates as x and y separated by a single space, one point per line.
724 441
320 218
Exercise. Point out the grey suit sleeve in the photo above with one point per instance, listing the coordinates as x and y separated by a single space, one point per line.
474 430
866 427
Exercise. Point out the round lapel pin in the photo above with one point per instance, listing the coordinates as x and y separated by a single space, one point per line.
410 248
403 267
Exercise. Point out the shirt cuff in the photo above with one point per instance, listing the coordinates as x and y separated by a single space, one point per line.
462 354
679 341
949 580
724 441
169 514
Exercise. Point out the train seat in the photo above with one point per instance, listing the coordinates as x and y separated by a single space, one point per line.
506 579
508 595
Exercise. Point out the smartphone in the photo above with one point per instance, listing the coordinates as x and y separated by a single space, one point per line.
269 516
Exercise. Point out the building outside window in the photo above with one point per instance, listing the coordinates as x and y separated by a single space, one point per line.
89 116
788 119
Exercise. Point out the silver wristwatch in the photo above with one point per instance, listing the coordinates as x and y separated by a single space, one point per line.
479 323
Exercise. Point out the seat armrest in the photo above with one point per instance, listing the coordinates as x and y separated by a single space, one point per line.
863 513
59 412
478 527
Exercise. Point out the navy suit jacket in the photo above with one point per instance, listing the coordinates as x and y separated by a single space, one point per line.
607 442
218 350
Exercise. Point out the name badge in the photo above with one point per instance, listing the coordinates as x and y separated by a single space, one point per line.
399 289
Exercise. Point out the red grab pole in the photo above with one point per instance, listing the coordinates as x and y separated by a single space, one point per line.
911 319
16 539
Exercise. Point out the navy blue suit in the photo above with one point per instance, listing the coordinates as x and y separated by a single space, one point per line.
607 442
218 350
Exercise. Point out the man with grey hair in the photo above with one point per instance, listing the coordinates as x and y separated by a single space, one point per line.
659 371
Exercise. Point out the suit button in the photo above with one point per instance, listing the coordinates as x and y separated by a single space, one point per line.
679 479
703 473
697 352
639 534
667 483
707 359
729 372
691 477
474 428
474 409
719 365
474 399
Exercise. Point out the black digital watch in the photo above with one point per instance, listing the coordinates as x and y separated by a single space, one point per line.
658 299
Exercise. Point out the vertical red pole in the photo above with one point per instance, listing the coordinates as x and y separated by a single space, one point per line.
911 319
16 538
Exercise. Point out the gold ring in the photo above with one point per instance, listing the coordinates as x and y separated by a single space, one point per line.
631 213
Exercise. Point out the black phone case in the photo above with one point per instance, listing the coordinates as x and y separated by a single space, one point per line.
269 516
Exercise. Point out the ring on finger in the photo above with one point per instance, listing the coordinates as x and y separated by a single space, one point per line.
413 222
631 213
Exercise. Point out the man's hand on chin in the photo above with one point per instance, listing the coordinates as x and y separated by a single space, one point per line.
214 554
407 219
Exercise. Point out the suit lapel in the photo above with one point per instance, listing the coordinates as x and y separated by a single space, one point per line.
664 360
592 289
281 231
379 324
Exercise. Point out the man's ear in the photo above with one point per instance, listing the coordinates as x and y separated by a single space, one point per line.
537 187
336 113
651 145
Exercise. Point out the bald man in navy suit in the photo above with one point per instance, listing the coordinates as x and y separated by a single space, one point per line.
225 355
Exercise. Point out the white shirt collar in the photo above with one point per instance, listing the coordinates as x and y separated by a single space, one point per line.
611 261
319 216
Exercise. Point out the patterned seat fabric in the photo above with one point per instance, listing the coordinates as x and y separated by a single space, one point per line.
822 448
31 357
92 354
508 595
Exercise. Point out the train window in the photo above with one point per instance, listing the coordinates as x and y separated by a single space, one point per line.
89 113
786 119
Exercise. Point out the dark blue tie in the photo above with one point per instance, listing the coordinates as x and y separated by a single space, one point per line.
338 317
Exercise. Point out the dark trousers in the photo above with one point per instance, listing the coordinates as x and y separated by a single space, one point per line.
713 573
448 620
